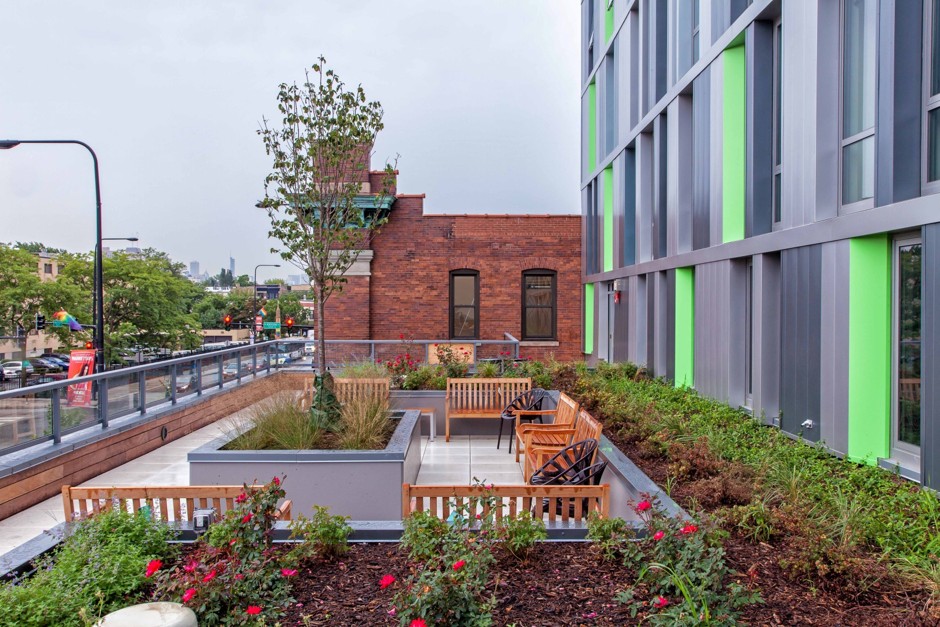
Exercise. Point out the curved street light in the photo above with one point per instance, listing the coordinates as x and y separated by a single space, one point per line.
7 144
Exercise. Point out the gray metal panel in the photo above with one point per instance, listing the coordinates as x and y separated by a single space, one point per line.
828 126
800 340
627 227
711 329
737 342
660 39
622 327
834 351
660 154
644 196
701 148
643 324
609 92
632 333
659 306
766 333
716 127
633 98
759 50
930 359
684 38
900 101
681 149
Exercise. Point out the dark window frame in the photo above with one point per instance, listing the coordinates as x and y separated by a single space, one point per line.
476 303
553 307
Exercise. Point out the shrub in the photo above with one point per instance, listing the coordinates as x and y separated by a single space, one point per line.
365 370
487 370
424 536
221 579
519 534
365 422
324 535
277 423
426 377
100 568
455 364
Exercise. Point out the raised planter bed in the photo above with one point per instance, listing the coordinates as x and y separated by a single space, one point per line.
365 485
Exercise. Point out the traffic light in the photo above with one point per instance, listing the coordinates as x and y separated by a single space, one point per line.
227 321
89 345
290 323
40 322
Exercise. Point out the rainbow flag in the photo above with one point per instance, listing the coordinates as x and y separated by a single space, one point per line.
66 318
262 312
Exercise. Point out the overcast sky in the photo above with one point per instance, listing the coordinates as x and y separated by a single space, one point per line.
480 99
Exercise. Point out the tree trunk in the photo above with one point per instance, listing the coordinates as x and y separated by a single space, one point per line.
321 336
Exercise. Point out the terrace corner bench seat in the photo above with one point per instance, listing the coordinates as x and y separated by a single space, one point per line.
165 502
480 398
545 442
565 503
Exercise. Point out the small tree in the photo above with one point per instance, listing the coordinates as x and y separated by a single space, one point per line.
327 132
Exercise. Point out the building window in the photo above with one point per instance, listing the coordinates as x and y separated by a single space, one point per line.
932 84
47 268
859 32
538 305
778 119
464 304
906 414
696 29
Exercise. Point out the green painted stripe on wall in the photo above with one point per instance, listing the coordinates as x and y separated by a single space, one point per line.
609 22
869 360
589 318
592 127
685 327
608 219
734 146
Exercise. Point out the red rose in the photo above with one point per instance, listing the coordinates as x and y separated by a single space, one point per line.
152 567
418 622
690 528
660 602
288 572
642 506
459 564
188 595
253 610
247 517
241 498
276 482
386 581
659 535
209 577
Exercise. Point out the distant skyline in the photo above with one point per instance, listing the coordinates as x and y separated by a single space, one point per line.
481 103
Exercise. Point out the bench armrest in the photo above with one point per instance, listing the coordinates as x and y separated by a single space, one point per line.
283 510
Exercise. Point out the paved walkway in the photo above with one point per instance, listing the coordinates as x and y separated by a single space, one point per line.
454 462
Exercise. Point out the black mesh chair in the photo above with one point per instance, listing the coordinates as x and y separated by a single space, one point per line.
531 401
566 465
587 476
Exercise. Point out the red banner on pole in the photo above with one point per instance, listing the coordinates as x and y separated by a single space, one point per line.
81 363
259 323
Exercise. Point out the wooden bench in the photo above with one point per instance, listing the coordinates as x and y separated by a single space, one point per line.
168 503
564 413
480 398
347 389
565 502
541 444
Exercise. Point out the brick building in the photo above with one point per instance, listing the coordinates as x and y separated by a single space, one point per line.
465 277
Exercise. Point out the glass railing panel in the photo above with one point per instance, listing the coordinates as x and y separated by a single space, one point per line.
158 386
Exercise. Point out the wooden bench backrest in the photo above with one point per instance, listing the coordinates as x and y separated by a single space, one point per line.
586 428
566 502
351 388
167 503
567 410
467 395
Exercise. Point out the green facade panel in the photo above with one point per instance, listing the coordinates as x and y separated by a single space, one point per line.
608 219
685 327
734 144
609 22
592 127
588 317
869 361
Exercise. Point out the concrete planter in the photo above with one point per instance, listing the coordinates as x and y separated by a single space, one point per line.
365 485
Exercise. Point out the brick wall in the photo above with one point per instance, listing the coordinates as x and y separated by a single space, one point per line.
414 254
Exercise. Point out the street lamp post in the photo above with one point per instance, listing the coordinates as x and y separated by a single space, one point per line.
98 305
254 296
7 144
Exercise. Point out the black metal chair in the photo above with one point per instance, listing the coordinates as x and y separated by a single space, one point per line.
565 466
588 476
530 400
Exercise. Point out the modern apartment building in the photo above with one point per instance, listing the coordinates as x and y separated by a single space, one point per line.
761 212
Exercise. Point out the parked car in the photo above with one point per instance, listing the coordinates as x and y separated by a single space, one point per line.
43 365
15 368
310 348
60 363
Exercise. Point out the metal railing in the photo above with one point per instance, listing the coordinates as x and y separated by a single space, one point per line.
46 412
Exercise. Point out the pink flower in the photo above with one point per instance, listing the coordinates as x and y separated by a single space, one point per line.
690 528
418 622
660 602
239 576
386 581
241 498
247 517
642 506
209 577
152 567
459 564
188 595
276 482
232 542
401 336
288 572
659 535
190 567
253 610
